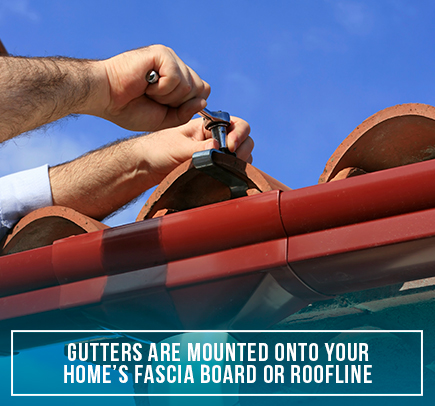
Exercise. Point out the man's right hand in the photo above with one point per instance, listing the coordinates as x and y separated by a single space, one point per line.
128 100
37 91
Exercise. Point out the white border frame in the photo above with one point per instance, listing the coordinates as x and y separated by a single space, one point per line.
213 331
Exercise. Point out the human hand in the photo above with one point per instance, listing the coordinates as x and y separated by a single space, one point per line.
104 180
131 102
162 151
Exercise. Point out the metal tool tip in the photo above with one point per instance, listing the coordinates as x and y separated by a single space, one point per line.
152 77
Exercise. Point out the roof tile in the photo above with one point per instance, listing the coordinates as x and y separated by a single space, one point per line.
399 135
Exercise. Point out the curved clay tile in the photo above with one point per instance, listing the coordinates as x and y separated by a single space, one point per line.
186 187
44 226
396 136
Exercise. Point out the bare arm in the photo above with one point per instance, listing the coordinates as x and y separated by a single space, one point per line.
37 91
101 182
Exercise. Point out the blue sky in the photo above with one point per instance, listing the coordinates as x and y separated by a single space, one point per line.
304 74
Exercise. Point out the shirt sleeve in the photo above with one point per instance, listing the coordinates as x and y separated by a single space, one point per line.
21 193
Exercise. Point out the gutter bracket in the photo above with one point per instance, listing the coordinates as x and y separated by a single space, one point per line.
203 161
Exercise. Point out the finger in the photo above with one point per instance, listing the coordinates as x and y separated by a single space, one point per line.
188 109
244 152
170 79
207 144
170 69
177 116
178 83
238 132
186 147
195 130
189 86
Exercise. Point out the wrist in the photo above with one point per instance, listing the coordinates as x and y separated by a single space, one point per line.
140 161
159 153
99 183
98 94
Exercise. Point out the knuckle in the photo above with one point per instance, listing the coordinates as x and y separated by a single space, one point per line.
160 48
162 51
186 88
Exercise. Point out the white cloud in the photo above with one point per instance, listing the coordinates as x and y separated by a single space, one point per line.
20 8
242 91
320 39
244 84
39 148
354 16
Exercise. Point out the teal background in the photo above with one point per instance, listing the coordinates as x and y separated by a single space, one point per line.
395 359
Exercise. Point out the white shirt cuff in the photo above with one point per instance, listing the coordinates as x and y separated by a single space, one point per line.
21 193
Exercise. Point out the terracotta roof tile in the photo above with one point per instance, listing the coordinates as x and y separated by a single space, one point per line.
399 135
187 187
44 226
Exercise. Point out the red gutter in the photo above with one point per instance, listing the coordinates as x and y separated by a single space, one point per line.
145 244
325 226
366 255
194 232
375 195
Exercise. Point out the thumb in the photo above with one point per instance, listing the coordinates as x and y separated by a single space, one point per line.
185 148
209 144
204 145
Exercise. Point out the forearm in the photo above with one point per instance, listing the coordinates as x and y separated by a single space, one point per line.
101 182
37 91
